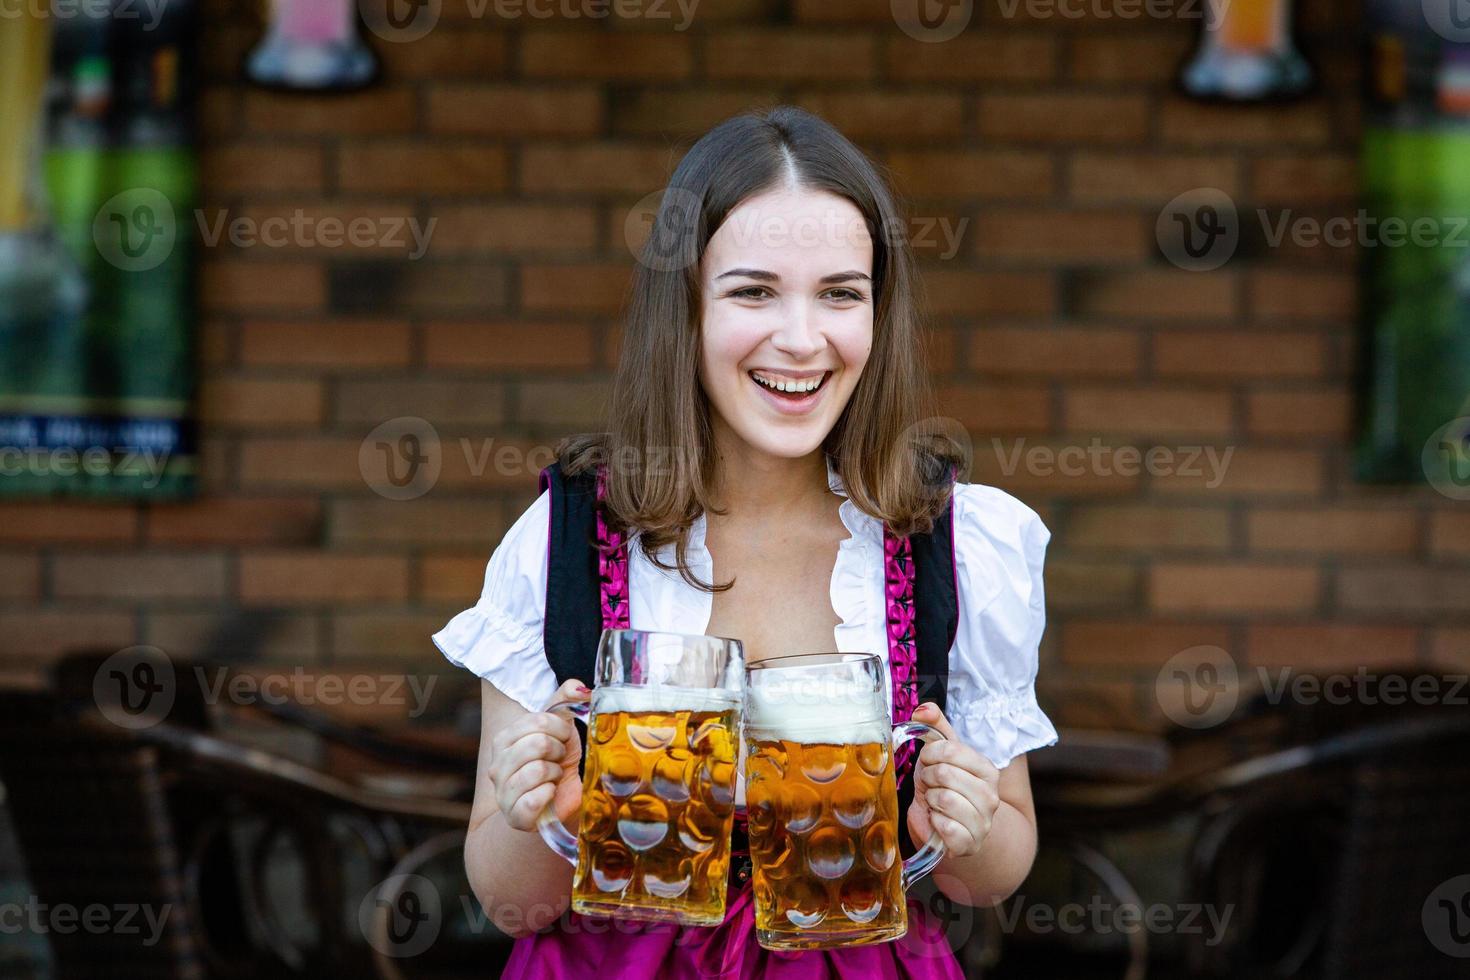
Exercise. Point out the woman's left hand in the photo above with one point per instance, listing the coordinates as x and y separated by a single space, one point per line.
956 790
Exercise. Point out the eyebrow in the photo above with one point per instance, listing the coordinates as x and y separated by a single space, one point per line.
764 276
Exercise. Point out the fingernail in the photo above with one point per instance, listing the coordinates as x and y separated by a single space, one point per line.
583 688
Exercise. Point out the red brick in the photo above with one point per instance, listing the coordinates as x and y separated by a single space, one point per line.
970 58
998 407
683 113
379 110
1249 471
1149 411
1136 643
235 285
241 402
443 53
1057 352
1419 591
514 110
1186 122
1331 646
990 174
1239 354
1303 295
36 634
1450 648
508 346
605 56
457 579
335 345
1337 530
1147 178
514 228
1123 58
20 576
958 291
321 463
1183 587
297 578
291 639
886 115
878 12
359 636
37 521
596 168
564 405
1324 414
269 168
1031 467
1063 236
138 576
1449 535
587 288
442 402
423 521
1298 180
413 167
1073 584
235 520
1064 118
1144 527
1156 293
789 55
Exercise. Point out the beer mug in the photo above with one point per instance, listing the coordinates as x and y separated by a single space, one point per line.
822 803
658 784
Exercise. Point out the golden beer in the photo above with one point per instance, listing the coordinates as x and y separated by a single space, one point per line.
822 803
824 843
658 799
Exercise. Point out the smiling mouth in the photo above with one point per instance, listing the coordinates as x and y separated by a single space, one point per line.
790 389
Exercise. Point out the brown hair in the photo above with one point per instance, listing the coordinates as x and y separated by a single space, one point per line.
659 438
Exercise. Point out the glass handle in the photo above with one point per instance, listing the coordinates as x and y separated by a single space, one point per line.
553 831
925 858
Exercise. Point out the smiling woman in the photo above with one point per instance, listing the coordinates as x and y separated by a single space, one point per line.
766 476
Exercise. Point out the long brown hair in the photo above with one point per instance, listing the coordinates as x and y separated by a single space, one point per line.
659 443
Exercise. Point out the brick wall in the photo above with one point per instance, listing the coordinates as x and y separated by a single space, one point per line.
1058 321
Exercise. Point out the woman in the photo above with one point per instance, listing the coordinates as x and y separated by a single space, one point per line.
762 462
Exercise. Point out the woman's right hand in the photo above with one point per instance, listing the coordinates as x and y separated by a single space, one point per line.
533 762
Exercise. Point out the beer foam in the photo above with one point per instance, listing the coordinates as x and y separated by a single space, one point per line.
829 710
665 698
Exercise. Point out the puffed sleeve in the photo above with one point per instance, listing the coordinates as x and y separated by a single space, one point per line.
499 638
1000 546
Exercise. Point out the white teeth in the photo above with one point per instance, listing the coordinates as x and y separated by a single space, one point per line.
811 384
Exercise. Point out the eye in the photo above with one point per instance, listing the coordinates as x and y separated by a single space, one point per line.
751 292
846 295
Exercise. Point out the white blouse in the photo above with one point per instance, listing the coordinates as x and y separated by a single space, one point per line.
1000 545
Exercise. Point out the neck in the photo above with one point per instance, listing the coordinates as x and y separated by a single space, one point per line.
756 485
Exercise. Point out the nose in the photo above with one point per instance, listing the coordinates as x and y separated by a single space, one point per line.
799 336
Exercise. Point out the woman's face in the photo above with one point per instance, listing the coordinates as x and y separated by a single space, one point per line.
788 318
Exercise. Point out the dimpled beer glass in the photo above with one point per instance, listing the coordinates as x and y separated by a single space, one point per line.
658 786
822 804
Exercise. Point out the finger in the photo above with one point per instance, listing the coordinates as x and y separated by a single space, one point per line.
530 747
524 812
948 776
528 777
948 803
958 839
571 690
538 721
929 714
962 756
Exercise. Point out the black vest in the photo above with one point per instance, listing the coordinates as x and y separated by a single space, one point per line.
573 620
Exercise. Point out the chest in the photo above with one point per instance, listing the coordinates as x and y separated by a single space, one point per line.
780 602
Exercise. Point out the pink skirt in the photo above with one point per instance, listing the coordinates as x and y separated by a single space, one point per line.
584 946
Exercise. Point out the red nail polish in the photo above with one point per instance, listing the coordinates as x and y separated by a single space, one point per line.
584 689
